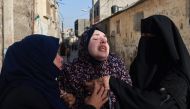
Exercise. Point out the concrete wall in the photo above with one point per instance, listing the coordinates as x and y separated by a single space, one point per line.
15 22
125 42
23 18
105 6
8 20
47 21
82 25
20 19
1 18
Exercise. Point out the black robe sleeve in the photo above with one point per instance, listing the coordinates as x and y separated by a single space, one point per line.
133 98
87 106
25 98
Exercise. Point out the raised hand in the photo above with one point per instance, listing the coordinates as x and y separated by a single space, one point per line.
69 98
98 97
105 80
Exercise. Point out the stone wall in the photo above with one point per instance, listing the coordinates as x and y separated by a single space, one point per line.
1 33
124 27
23 18
19 19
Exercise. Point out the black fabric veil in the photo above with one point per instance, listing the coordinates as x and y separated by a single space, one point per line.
160 72
29 62
168 51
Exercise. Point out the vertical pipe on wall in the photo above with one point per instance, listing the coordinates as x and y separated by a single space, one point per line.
3 30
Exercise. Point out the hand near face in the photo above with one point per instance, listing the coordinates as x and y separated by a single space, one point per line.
98 97
68 98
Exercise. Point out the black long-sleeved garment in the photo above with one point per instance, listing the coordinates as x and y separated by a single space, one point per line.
134 98
160 72
29 62
25 97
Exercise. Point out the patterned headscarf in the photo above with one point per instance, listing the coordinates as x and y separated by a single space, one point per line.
86 68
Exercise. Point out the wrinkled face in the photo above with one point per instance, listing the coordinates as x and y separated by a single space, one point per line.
98 46
58 61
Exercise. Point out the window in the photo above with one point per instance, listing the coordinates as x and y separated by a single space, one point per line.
96 11
118 26
137 21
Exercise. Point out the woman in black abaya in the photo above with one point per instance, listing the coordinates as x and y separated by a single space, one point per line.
29 72
160 72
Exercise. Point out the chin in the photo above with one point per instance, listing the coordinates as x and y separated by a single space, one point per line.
102 58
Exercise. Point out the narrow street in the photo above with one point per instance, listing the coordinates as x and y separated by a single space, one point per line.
73 55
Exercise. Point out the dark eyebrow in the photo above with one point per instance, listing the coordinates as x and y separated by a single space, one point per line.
96 34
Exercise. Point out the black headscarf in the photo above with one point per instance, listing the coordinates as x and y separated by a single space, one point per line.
160 50
84 42
29 62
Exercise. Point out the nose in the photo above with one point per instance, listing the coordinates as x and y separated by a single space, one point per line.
103 40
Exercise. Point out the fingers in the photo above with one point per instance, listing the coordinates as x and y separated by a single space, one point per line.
62 93
89 83
101 91
105 94
100 81
97 88
99 95
106 82
71 100
90 86
104 100
68 98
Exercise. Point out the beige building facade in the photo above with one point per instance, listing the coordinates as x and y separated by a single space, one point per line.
19 18
103 8
123 28
80 26
1 31
46 18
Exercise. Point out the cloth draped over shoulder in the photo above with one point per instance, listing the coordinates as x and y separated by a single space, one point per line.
86 68
160 72
29 62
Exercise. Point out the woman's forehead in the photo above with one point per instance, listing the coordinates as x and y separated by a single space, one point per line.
97 32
